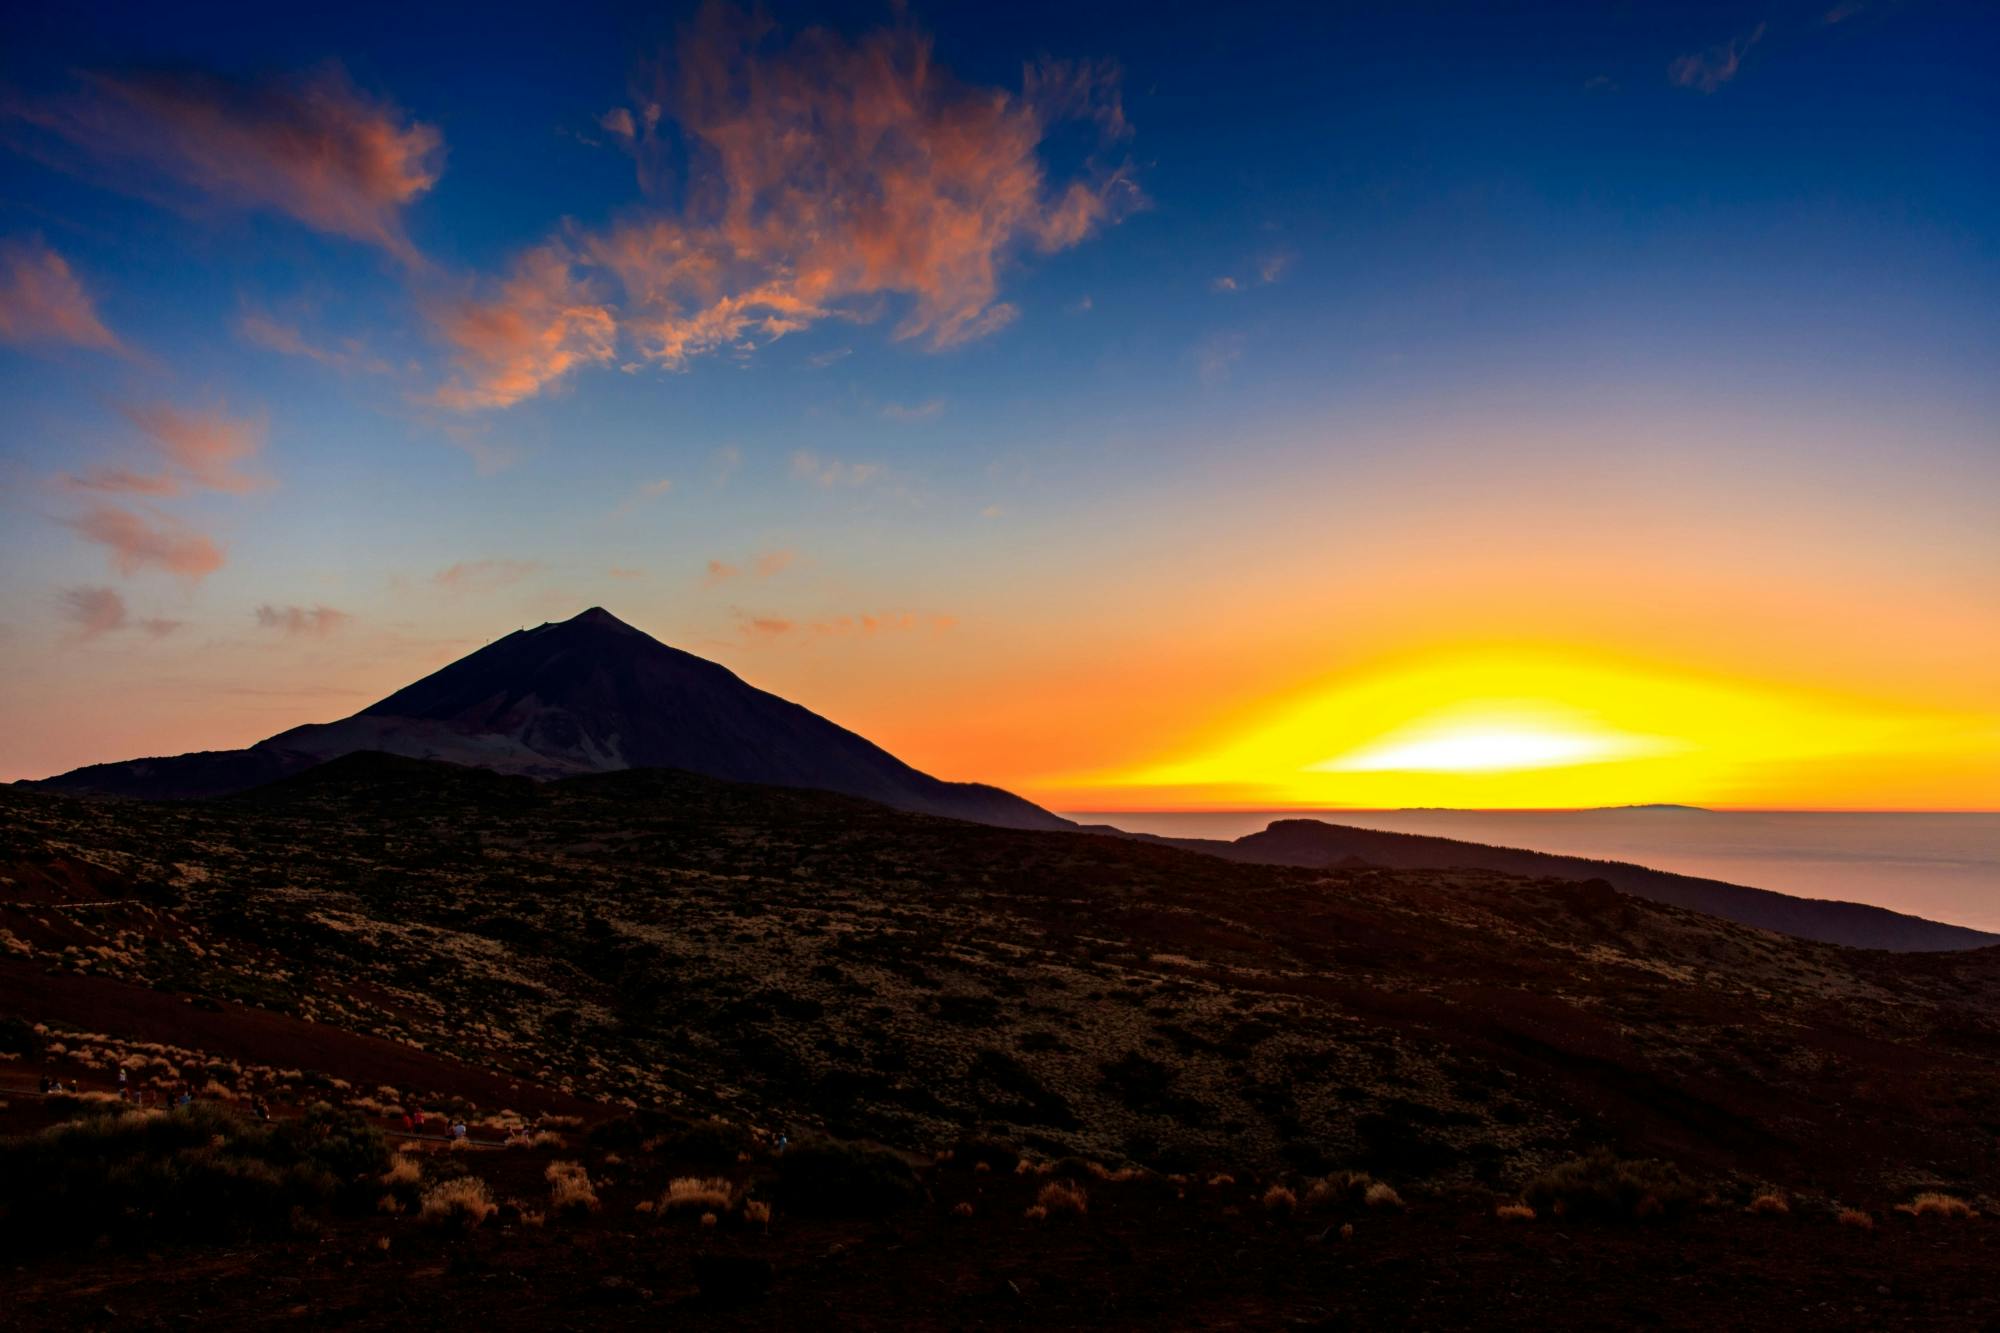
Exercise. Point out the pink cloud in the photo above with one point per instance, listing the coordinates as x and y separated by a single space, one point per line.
42 299
302 622
542 322
472 576
763 566
204 449
314 149
822 175
138 543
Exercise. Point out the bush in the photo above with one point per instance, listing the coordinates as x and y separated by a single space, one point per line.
834 1179
463 1200
569 1188
1854 1217
1932 1204
689 1193
1062 1196
196 1173
1514 1212
1770 1205
1278 1199
1606 1187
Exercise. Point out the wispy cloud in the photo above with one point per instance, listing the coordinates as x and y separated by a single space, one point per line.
1706 71
315 622
349 354
728 461
473 576
928 410
139 542
807 465
642 493
764 565
1216 355
821 360
203 450
823 176
314 149
42 299
865 626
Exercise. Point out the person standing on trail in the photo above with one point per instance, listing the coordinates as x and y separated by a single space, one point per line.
121 1083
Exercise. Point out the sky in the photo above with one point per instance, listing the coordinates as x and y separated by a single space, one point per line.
1138 407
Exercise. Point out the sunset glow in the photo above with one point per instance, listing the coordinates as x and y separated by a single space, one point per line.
978 384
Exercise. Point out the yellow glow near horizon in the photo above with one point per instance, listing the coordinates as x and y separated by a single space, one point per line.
1524 727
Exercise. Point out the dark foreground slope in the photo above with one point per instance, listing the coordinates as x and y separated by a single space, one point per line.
589 694
1315 844
385 933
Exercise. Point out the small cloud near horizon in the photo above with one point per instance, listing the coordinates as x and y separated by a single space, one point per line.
153 540
97 610
302 622
477 576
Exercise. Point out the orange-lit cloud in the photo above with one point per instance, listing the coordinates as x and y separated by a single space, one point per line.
302 622
202 449
542 322
764 565
839 626
1706 71
470 576
821 174
314 149
139 542
42 299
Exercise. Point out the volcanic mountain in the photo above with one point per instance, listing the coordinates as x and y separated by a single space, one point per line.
585 695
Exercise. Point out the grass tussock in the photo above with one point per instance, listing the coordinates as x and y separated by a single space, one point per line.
1605 1187
1514 1212
687 1194
1279 1199
462 1200
757 1213
1854 1217
1769 1205
1063 1196
1931 1203
570 1190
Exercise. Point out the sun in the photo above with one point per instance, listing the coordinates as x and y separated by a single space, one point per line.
1491 742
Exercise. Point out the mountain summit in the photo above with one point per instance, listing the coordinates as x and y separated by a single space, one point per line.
584 695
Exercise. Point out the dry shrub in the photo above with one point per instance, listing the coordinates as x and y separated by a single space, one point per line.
1278 1199
389 1204
1340 1187
1036 1213
643 1206
403 1173
531 1218
1854 1217
981 1168
1769 1205
1605 1186
1933 1204
1380 1195
708 1221
569 1188
1218 1181
688 1193
961 1209
757 1213
1514 1212
1063 1196
464 1200
1347 1231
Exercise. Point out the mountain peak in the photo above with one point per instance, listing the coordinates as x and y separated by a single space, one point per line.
597 617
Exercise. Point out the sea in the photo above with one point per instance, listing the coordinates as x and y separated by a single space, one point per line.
1942 866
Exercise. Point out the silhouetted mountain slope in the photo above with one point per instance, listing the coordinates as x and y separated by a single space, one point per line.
589 694
1314 844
